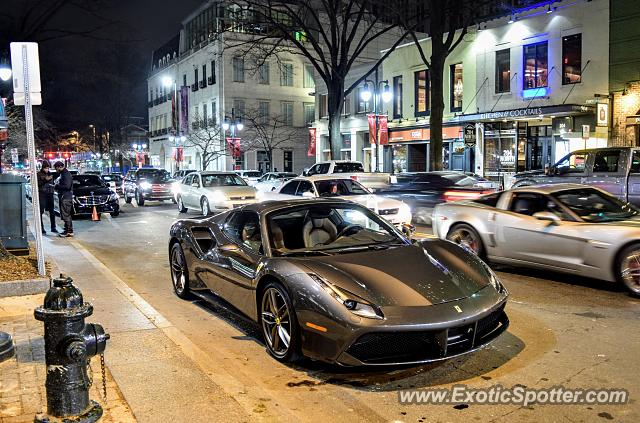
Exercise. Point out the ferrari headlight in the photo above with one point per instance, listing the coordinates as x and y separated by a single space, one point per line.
145 185
352 302
494 281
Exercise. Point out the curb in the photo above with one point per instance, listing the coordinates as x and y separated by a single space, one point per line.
24 287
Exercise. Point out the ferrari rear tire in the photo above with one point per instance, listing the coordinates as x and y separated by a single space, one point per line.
628 268
465 236
179 272
279 324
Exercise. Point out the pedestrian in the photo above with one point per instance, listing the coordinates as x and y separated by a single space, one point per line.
64 187
46 189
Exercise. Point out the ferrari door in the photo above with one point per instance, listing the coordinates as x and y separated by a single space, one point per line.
524 237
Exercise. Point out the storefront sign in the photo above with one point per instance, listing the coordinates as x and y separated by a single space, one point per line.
507 158
311 151
533 111
633 120
585 132
423 134
602 114
530 112
470 135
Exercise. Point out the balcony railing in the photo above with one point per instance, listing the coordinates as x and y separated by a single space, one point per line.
203 83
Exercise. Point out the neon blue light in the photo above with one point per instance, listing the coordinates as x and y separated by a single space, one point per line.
535 92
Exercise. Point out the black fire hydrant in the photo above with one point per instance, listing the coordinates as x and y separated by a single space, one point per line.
69 345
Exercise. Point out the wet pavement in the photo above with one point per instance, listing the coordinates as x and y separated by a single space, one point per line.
564 331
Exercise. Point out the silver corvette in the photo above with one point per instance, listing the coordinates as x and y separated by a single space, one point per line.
568 228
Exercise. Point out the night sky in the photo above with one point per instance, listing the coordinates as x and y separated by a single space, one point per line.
100 78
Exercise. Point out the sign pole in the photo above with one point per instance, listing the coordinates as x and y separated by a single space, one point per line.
31 146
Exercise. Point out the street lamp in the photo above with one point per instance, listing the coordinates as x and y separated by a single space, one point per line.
233 123
5 71
385 95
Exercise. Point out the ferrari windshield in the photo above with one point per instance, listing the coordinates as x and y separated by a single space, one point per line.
334 187
595 206
315 229
222 180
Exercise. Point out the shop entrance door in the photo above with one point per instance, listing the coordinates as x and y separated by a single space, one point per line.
417 157
539 148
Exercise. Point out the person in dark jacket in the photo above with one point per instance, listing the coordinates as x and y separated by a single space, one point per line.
46 190
64 187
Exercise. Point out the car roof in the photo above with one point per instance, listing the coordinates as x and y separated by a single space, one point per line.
314 178
549 188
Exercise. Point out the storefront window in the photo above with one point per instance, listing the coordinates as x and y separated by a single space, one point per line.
397 97
399 158
503 71
572 59
422 93
535 65
456 88
500 149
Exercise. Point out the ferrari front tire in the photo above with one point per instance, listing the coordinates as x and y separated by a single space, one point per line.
279 324
179 272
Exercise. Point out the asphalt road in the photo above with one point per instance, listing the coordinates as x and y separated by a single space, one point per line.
577 333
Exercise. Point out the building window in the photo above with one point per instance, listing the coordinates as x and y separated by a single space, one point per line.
238 107
309 113
361 105
503 71
535 65
346 105
422 93
572 59
204 74
214 113
263 73
309 82
213 72
288 161
184 80
286 75
397 97
324 109
456 88
263 112
238 69
196 116
195 77
205 115
287 113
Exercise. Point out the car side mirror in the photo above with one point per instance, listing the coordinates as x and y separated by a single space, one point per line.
305 172
547 216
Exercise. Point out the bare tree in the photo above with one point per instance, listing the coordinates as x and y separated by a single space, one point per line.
268 133
332 35
207 139
17 131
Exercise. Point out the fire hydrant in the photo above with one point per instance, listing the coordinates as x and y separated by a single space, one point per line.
69 345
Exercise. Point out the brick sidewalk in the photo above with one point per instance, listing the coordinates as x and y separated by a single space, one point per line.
22 378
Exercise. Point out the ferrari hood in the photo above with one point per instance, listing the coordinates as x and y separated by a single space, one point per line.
429 273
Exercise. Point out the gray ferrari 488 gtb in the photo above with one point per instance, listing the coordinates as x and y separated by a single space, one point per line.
333 281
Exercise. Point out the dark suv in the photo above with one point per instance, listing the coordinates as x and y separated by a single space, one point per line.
147 184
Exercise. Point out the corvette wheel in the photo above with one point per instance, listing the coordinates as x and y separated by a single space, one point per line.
179 272
204 204
279 323
466 236
629 269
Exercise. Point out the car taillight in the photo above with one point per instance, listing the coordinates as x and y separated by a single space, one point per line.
462 195
354 177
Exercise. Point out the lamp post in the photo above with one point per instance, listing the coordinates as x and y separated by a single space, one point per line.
5 75
233 124
379 95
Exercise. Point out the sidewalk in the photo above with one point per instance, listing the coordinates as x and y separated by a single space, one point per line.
150 378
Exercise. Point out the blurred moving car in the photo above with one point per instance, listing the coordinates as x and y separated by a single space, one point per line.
331 280
396 212
273 180
114 180
250 176
213 191
354 170
179 174
568 228
147 184
423 190
89 191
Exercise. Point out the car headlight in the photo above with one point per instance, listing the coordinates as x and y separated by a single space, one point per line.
404 208
145 185
350 301
113 197
493 279
217 197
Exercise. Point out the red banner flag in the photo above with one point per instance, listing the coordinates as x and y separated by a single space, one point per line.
383 134
234 147
372 128
311 151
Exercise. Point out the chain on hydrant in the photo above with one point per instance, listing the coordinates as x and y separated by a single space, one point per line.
69 345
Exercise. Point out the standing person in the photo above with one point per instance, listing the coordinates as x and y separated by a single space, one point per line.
46 190
64 186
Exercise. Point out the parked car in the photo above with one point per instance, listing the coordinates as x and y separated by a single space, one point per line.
613 169
272 181
569 228
92 172
89 191
114 180
147 184
423 190
179 174
354 170
396 212
331 280
250 176
213 191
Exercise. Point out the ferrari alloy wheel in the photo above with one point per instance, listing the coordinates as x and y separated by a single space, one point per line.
467 237
181 207
629 268
279 324
179 271
204 203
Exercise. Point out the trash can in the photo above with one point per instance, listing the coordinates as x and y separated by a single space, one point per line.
13 213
